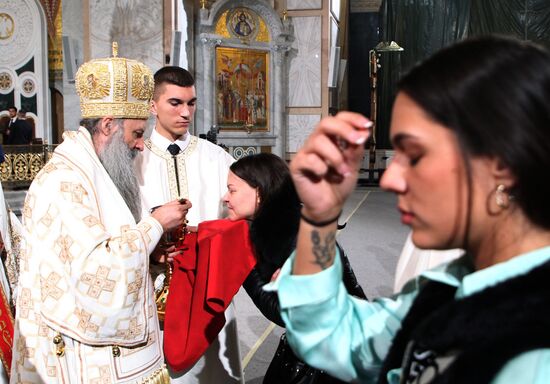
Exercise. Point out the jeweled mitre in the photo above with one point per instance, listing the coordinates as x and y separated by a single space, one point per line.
115 86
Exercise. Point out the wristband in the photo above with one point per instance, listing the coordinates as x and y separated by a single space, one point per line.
320 223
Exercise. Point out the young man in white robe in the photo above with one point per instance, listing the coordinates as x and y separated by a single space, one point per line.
85 309
176 164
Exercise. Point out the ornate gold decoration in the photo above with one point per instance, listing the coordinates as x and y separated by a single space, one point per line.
242 89
59 345
28 86
115 86
129 111
94 81
116 351
120 74
162 295
23 162
221 26
176 237
224 26
5 81
203 4
160 376
139 77
55 44
178 186
263 32
53 9
13 255
7 26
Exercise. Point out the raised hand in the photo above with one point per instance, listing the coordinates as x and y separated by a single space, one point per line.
325 169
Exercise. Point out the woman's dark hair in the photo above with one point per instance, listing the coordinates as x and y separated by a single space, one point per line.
494 93
275 223
266 172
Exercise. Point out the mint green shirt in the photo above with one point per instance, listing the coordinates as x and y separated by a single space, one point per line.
349 338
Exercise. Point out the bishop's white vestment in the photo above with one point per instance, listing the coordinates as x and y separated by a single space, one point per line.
85 306
198 173
6 287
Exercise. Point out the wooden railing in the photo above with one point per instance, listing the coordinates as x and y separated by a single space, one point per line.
22 163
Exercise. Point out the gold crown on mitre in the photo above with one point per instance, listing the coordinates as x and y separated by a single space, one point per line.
114 86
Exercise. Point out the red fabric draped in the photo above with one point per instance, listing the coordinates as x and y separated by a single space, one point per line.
6 332
214 264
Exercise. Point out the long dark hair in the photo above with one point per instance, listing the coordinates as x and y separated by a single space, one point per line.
494 93
275 223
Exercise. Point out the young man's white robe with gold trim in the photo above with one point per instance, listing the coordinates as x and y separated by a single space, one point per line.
202 168
84 275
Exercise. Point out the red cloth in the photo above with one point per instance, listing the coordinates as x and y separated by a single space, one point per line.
214 264
6 332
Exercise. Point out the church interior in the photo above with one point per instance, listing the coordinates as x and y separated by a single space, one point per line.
266 72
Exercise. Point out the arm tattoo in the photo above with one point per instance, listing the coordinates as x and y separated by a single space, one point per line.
323 253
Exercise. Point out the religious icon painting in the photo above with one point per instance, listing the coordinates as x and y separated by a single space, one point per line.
242 97
243 23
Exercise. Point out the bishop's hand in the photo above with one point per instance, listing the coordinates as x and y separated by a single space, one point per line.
172 215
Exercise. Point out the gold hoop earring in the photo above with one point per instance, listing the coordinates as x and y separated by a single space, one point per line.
502 198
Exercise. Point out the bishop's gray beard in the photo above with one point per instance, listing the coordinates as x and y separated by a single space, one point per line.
118 161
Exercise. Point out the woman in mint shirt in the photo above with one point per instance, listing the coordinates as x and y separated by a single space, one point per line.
471 132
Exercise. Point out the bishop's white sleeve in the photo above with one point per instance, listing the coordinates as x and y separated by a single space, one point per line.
93 284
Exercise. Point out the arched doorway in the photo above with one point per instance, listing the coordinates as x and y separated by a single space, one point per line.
24 66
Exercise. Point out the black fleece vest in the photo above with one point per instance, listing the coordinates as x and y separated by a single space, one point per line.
469 340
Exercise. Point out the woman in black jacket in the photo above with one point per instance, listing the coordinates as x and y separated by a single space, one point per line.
260 189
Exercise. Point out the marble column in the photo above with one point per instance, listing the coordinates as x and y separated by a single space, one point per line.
208 56
279 54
